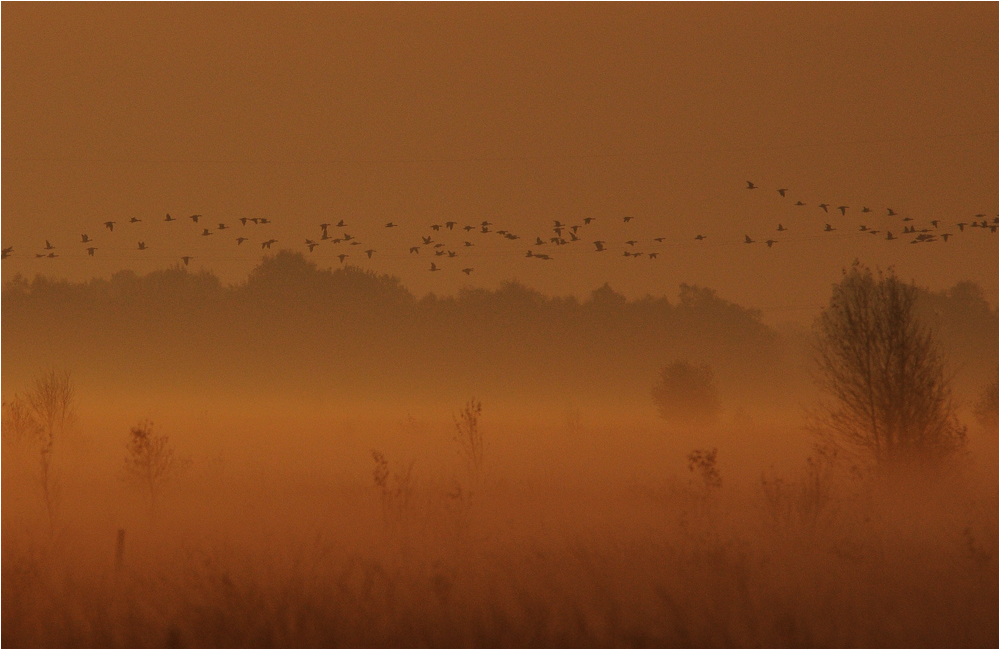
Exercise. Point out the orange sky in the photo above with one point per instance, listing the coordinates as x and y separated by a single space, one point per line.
516 114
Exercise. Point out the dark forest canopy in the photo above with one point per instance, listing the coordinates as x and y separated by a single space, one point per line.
293 326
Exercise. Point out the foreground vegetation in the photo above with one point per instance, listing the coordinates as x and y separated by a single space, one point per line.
396 556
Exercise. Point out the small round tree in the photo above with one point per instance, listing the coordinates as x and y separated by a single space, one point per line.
150 460
686 393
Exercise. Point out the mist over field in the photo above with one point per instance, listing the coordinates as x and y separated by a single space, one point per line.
321 489
499 325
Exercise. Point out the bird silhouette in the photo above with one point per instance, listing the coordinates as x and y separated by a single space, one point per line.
598 244
311 245
632 242
587 220
7 251
907 218
843 209
945 236
486 223
961 226
222 226
264 221
90 250
824 206
439 253
369 252
84 239
142 245
268 243
751 186
467 271
415 249
530 254
427 240
935 223
863 228
892 213
240 240
134 220
452 253
652 256
110 225
243 220
434 267
866 209
659 240
206 232
255 220
39 254
799 203
48 246
468 228
890 236
341 224
436 228
700 237
342 257
390 225
627 219
782 191
195 217
538 241
829 228
450 225
771 242
747 240
169 218
781 228
468 243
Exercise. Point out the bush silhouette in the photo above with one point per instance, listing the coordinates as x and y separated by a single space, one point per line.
686 393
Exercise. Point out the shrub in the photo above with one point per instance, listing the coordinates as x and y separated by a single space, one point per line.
686 393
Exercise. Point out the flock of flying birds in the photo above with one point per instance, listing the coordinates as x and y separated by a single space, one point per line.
560 234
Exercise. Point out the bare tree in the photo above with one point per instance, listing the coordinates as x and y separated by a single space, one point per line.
150 460
470 438
42 415
887 394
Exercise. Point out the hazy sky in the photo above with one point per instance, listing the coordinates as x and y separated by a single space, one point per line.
515 114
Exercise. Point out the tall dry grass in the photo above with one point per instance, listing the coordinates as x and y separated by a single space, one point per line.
814 556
